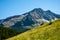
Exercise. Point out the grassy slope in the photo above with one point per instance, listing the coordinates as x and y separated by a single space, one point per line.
49 31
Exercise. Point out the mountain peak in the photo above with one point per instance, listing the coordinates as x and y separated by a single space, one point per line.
37 9
48 11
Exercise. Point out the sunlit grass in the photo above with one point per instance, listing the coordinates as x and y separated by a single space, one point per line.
44 32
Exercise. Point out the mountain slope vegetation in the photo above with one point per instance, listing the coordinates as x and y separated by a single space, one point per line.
50 31
7 33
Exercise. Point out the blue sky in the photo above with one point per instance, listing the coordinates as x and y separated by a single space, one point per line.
18 7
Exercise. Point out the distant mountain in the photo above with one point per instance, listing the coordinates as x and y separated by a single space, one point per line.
50 31
29 20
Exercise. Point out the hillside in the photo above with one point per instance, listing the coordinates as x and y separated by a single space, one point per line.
50 31
6 33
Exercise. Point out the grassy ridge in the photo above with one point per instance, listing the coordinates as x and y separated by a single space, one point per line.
49 31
